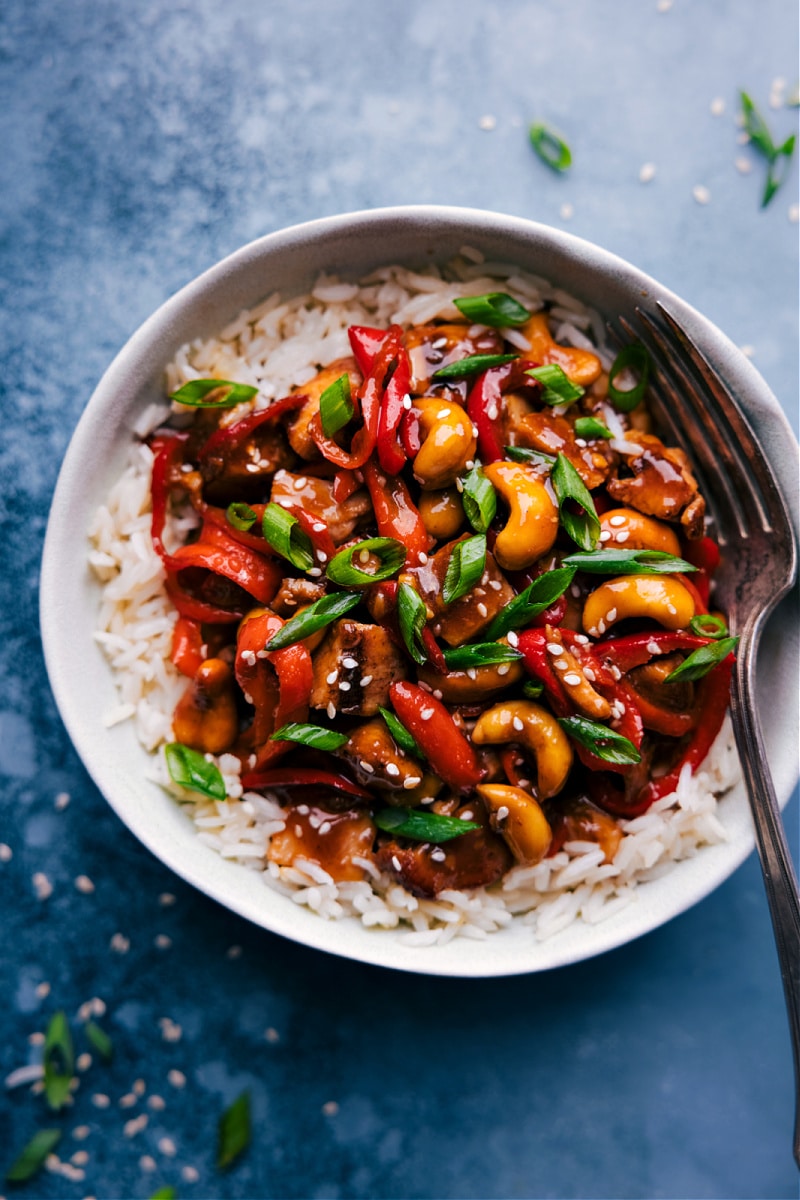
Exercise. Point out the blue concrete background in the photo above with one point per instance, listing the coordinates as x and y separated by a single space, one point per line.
142 142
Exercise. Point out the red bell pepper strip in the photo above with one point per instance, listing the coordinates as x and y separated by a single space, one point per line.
639 648
369 397
217 552
449 753
277 682
195 609
345 483
434 651
289 777
411 432
167 458
320 538
187 646
391 454
228 438
704 554
485 405
396 514
365 343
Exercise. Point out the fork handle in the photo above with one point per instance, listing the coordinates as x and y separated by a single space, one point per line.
780 880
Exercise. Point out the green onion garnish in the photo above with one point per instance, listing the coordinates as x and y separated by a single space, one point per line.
336 406
99 1040
411 617
472 365
706 625
628 562
590 427
479 654
523 455
401 735
233 1131
200 393
760 136
310 735
284 534
422 826
391 553
606 743
537 597
497 309
167 1192
583 527
550 146
634 358
32 1157
532 689
701 661
241 516
59 1061
465 568
479 499
556 387
191 769
319 614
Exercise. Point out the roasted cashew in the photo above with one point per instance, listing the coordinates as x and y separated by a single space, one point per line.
442 513
448 443
479 683
633 530
580 366
533 522
535 729
205 716
518 818
662 598
574 682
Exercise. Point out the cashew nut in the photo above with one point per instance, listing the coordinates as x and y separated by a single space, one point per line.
442 513
580 366
448 443
571 675
533 522
205 716
662 598
478 683
538 731
633 530
519 820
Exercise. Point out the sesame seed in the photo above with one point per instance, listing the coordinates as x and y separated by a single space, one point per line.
81 1132
459 485
518 724
438 855
717 106
622 536
467 815
575 590
611 615
344 686
442 414
671 608
436 693
299 483
314 572
589 674
554 648
6 853
422 558
148 1163
162 941
83 1062
411 781
487 123
474 431
426 714
392 769
605 536
167 1147
495 585
80 1158
492 412
743 165
43 990
303 809
334 675
272 1035
572 679
61 801
190 1174
618 520
502 812
325 827
701 193
366 766
176 1078
120 944
472 673
330 1108
406 402
319 527
561 664
615 671
166 899
794 213
566 211
100 1100
396 862
331 710
350 663
512 637
482 609
170 1032
128 1100
363 556
233 952
42 886
647 172
322 556
365 681
581 639
503 669
298 831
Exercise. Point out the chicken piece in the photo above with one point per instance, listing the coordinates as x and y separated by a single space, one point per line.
241 471
316 497
578 820
329 839
294 594
205 717
433 346
379 762
475 859
466 618
354 667
299 435
661 484
552 434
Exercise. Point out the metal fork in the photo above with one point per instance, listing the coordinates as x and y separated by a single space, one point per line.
697 408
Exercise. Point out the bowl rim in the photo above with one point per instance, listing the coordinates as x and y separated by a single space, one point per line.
152 336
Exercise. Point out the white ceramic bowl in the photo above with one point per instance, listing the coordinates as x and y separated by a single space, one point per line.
289 261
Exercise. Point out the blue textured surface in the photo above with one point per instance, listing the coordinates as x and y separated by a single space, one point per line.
141 142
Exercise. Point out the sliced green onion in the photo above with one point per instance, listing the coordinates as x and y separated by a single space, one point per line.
401 735
411 617
550 146
32 1157
59 1061
191 769
99 1040
234 1131
701 661
524 455
557 388
472 365
760 136
497 309
590 427
532 689
706 625
319 614
606 743
479 654
284 534
629 562
392 555
200 393
465 568
336 406
583 527
634 358
241 516
479 499
167 1192
422 826
783 155
310 735
537 597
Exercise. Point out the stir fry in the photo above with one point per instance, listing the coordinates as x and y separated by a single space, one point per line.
448 602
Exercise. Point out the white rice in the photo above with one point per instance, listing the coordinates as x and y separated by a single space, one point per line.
276 346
